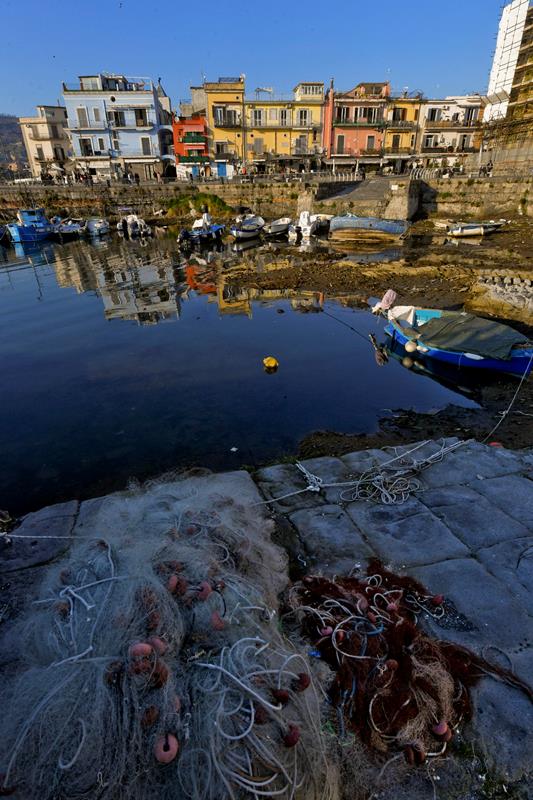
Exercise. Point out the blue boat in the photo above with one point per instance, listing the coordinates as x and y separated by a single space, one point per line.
32 226
350 226
460 339
202 234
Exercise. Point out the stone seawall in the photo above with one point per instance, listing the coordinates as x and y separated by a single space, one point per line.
476 198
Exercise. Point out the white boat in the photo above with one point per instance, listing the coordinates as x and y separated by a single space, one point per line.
279 227
475 228
96 226
247 227
307 225
134 226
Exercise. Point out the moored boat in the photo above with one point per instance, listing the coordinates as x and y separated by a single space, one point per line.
460 339
66 229
96 226
247 227
202 233
352 227
278 227
31 226
461 229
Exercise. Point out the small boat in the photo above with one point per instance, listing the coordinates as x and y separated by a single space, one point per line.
96 226
202 233
133 226
32 226
461 229
279 227
65 229
306 227
350 226
247 227
460 339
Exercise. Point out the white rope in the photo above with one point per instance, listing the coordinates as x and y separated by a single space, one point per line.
505 413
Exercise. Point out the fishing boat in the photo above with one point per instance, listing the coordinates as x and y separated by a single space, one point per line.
279 227
96 226
201 233
65 229
460 339
31 226
247 227
133 226
351 227
461 229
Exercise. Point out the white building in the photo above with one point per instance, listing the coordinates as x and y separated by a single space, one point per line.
505 57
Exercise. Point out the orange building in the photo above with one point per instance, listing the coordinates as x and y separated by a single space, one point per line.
190 140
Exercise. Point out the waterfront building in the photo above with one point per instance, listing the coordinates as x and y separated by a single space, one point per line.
190 142
46 139
118 125
285 131
226 128
506 54
402 118
355 123
450 127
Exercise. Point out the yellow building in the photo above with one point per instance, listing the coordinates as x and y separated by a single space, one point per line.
402 126
225 118
285 129
46 139
257 130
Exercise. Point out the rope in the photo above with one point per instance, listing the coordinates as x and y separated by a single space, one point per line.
505 413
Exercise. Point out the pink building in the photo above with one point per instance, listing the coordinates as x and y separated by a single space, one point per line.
354 122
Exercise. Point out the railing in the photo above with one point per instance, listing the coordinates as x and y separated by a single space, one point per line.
360 123
193 159
449 149
132 85
190 138
399 149
448 123
75 125
401 123
221 123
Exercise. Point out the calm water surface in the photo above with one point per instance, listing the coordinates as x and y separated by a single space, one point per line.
122 361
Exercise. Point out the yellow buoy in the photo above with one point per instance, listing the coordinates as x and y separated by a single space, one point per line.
270 363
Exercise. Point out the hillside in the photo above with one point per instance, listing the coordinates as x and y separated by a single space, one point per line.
11 144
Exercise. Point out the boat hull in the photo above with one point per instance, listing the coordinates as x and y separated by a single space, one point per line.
350 226
520 363
240 234
28 233
96 227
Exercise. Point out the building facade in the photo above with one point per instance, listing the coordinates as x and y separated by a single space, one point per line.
402 125
46 139
355 122
226 128
450 127
190 141
510 33
119 125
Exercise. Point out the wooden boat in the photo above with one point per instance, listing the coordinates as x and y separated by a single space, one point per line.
31 226
474 228
247 227
279 227
460 339
352 227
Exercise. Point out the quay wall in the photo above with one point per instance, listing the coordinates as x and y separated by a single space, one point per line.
400 198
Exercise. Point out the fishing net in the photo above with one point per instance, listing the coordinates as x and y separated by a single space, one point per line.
153 666
393 685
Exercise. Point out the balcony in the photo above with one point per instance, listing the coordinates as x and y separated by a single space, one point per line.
441 124
195 159
94 126
360 123
371 151
448 149
399 150
192 137
230 122
403 124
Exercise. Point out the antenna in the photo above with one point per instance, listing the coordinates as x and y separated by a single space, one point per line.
263 90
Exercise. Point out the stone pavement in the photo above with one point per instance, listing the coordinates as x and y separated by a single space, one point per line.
468 534
465 535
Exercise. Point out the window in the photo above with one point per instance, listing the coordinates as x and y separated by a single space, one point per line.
83 121
116 144
221 148
59 154
429 141
257 116
258 146
412 141
340 145
303 116
371 143
283 116
86 147
398 114
146 146
89 83
101 145
343 114
273 114
434 114
40 154
117 118
96 115
141 117
55 134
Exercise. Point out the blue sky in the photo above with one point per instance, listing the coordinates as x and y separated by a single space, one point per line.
438 48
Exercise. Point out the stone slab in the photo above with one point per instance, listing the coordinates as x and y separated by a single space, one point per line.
40 547
407 534
283 479
511 493
471 517
512 564
461 466
329 470
497 615
329 536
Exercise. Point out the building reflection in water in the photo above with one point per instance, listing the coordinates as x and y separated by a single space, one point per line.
148 285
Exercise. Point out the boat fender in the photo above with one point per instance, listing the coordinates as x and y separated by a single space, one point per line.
410 347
